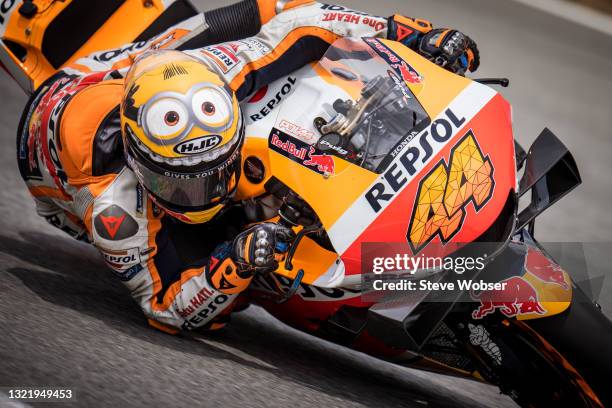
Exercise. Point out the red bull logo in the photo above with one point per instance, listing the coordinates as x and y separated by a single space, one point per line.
289 147
323 162
517 297
408 73
544 269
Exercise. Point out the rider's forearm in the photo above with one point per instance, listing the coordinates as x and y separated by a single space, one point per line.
293 38
233 22
301 33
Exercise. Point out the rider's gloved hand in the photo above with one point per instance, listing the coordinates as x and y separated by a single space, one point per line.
450 49
254 250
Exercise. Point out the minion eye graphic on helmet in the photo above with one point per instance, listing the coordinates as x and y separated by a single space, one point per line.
165 119
211 107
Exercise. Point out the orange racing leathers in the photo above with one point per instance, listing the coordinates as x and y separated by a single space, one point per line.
71 156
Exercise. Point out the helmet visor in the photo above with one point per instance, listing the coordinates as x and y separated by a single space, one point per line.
188 191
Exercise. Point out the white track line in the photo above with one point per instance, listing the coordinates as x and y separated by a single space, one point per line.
231 350
573 12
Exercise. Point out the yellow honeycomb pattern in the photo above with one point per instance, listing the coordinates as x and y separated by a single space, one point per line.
445 191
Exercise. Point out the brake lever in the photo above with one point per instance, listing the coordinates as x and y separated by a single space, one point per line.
295 285
305 231
285 295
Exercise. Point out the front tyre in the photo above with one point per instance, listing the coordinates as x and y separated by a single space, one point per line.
583 336
561 361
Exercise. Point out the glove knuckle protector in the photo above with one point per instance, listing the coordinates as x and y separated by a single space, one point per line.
450 49
253 250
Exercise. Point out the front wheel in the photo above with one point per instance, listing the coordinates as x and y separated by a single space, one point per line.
561 361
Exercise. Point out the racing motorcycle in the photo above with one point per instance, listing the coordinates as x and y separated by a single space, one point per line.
373 149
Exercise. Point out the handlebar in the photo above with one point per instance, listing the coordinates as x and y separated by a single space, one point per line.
503 82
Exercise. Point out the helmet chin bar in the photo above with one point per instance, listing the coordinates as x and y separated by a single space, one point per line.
193 217
180 209
204 212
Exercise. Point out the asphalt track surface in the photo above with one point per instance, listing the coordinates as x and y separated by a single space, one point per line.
65 320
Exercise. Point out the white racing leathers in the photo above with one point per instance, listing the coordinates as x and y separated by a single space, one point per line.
71 157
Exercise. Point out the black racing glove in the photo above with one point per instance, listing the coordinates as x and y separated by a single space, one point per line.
254 249
450 49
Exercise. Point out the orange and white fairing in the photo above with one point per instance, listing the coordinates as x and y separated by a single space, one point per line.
446 179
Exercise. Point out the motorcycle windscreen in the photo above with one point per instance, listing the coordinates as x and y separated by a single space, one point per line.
351 108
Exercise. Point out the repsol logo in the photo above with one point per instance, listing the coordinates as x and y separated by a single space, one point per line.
198 145
413 159
121 259
5 7
284 91
206 313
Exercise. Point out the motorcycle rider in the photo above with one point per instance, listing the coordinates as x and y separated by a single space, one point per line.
121 147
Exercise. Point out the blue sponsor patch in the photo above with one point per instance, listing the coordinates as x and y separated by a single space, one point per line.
128 273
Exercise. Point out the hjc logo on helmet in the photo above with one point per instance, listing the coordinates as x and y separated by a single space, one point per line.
198 145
